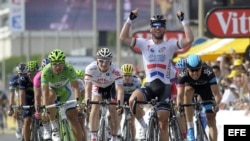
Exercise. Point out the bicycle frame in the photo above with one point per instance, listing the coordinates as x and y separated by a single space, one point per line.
102 134
65 128
126 129
200 134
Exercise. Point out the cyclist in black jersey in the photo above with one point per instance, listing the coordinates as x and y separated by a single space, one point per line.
25 86
198 78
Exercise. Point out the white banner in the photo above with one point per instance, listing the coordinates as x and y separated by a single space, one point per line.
17 17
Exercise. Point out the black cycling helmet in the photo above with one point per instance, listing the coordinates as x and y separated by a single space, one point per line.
193 61
158 19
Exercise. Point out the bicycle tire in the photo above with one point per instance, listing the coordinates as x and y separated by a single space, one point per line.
126 132
153 130
66 133
201 134
101 135
175 133
35 133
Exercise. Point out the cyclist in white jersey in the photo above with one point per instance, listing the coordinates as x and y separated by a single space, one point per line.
131 83
157 55
103 79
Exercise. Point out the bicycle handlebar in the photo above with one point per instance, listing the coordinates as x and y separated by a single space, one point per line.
59 104
103 102
196 104
22 106
153 102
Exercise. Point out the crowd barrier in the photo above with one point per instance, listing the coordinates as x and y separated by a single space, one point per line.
230 117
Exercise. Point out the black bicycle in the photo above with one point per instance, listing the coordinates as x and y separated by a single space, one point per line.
175 133
126 128
152 133
35 123
201 134
102 134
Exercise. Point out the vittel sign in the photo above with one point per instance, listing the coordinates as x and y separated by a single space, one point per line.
229 22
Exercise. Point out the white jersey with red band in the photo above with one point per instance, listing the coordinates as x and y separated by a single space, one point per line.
157 58
103 79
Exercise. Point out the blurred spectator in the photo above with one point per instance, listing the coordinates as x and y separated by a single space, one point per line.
238 65
231 93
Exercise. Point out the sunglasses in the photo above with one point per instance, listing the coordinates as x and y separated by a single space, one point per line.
127 75
157 24
103 61
194 70
59 64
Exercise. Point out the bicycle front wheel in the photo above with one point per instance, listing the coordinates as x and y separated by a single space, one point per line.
126 132
35 132
66 133
175 133
102 133
201 134
153 130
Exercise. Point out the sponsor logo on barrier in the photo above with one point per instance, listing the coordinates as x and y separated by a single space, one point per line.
241 132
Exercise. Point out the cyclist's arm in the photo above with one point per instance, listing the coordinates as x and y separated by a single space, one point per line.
88 87
189 37
75 89
45 91
216 93
120 93
180 94
21 96
37 95
11 97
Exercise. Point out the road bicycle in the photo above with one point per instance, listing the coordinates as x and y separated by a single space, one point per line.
66 133
35 123
201 134
126 129
102 134
175 133
152 133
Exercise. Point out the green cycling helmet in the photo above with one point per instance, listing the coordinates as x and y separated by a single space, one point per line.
57 55
79 73
32 66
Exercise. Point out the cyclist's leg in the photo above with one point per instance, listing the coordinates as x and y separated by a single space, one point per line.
94 116
211 121
141 95
27 113
81 116
73 119
189 111
163 94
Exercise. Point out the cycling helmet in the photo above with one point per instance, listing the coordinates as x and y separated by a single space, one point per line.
127 69
158 19
57 55
79 73
21 68
181 64
32 66
193 61
45 62
104 53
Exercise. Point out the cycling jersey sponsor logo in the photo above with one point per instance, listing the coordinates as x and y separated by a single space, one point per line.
117 73
207 71
152 50
153 57
107 74
162 49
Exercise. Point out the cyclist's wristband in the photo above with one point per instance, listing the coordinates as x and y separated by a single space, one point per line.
184 22
129 21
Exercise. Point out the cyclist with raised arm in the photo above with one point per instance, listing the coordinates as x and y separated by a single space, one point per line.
130 83
198 78
59 80
21 69
38 101
157 59
26 93
104 77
